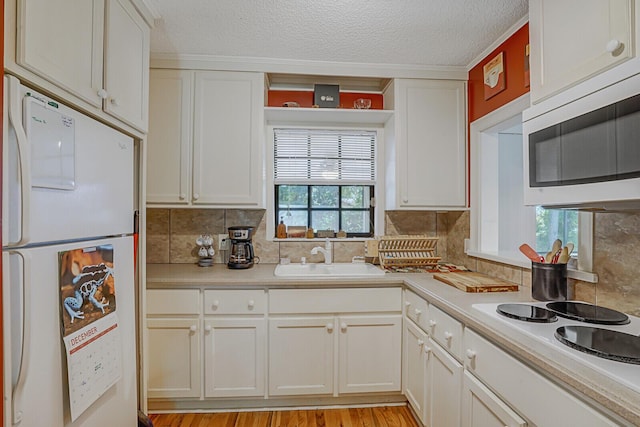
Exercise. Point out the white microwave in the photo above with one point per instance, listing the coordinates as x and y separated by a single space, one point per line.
586 154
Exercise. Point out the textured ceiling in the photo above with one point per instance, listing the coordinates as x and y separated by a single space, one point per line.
397 32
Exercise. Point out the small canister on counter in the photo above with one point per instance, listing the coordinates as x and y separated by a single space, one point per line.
549 281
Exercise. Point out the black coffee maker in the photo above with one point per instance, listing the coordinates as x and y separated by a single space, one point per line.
241 255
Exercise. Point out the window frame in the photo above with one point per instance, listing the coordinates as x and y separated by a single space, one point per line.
378 196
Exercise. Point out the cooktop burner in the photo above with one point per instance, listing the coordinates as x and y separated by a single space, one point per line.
526 312
603 343
588 313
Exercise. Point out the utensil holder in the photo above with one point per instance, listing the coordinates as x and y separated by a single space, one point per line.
549 281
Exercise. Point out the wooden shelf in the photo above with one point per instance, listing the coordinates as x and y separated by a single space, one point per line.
326 115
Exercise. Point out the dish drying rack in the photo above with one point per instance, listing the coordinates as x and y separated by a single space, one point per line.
407 251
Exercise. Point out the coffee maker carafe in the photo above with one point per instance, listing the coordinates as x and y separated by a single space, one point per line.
241 255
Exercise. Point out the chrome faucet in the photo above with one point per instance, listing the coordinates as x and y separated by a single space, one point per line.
326 251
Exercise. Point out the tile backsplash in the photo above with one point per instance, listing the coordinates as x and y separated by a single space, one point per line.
171 235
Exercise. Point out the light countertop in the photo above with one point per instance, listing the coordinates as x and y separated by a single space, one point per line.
555 365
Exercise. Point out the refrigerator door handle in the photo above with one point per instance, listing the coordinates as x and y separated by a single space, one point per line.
24 157
26 336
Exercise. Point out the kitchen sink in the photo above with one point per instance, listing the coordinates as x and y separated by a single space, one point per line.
328 270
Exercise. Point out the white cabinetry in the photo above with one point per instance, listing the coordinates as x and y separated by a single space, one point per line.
97 50
205 138
482 408
432 375
573 40
427 159
539 400
234 343
304 349
173 350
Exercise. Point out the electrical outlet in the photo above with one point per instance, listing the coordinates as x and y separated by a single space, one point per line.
223 242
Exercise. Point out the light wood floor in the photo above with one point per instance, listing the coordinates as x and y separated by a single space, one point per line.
385 416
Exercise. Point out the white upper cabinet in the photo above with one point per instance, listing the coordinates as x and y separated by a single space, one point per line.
96 50
573 40
205 138
126 64
427 158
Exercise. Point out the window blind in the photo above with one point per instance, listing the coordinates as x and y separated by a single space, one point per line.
318 156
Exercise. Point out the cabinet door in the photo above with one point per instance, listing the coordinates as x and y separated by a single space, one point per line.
173 358
126 64
431 146
414 369
301 355
234 357
370 353
564 51
444 389
482 408
169 138
227 140
62 41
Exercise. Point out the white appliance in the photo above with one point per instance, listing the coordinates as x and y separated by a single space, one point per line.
68 183
585 154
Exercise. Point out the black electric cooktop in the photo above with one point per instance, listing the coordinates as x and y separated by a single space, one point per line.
588 313
527 313
604 343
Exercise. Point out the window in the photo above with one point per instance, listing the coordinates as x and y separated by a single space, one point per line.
325 179
552 224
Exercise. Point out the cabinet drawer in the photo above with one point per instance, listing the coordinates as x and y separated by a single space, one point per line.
446 331
311 301
415 308
541 401
173 301
235 302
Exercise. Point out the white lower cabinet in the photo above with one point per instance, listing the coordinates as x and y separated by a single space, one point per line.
415 369
444 387
332 353
482 408
540 401
234 356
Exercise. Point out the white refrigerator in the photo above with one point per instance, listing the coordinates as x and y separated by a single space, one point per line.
68 266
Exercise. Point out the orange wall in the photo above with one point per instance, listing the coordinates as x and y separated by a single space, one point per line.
514 60
305 98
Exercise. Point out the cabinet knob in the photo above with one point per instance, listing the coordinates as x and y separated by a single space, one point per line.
115 102
329 327
343 327
207 328
196 196
427 350
613 45
183 196
193 328
432 323
417 312
251 304
405 200
407 303
448 336
215 304
470 354
102 94
420 343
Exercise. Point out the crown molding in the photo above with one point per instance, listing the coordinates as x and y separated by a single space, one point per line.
511 31
148 10
291 66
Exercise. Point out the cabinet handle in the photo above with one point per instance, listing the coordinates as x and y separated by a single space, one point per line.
613 45
343 327
417 312
448 336
102 94
432 323
251 304
196 196
207 328
420 343
470 354
329 327
193 328
215 304
183 196
115 102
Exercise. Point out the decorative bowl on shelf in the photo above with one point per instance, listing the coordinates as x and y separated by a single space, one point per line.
362 103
